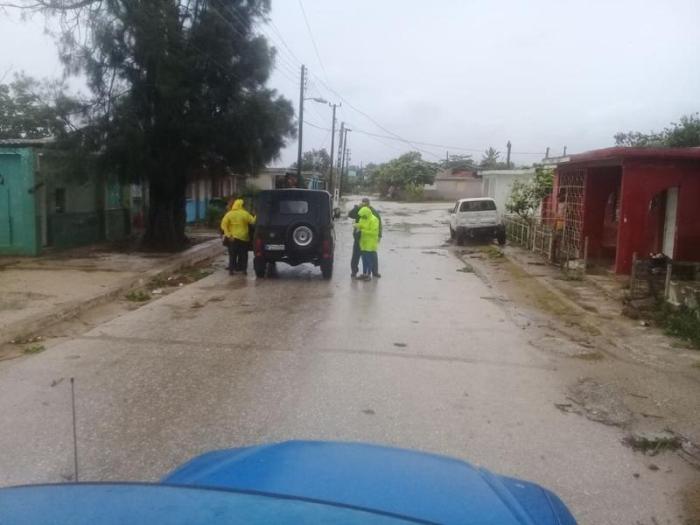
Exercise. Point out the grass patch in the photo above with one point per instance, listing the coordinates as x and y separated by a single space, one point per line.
696 365
34 349
682 323
590 356
138 296
493 253
467 268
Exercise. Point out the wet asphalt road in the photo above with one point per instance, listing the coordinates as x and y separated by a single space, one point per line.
423 358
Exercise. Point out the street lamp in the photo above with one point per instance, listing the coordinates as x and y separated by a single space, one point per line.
301 124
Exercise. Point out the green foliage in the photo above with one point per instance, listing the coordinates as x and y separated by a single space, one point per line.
33 109
178 87
34 349
214 215
138 296
459 163
406 172
315 160
490 160
685 133
413 192
682 323
526 195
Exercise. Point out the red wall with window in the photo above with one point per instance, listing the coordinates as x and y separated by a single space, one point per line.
639 226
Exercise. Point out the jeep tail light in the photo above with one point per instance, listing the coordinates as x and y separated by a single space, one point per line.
326 249
258 247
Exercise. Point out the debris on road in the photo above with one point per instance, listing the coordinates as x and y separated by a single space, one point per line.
652 443
34 349
600 402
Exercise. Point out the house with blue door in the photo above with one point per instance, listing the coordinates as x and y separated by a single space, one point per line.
43 204
205 188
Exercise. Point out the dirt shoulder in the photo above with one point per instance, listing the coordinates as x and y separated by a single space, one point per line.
622 372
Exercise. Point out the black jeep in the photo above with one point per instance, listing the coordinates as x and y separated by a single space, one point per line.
294 226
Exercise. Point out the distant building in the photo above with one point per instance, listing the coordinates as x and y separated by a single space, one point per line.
497 184
453 185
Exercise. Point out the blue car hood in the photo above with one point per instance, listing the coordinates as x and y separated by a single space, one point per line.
400 482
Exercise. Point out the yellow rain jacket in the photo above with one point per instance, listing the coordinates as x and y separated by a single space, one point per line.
368 224
236 222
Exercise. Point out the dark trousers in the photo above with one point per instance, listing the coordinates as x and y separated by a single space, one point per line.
237 255
355 260
368 262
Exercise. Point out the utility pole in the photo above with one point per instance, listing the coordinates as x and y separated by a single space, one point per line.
342 163
564 154
301 118
546 154
508 155
331 182
341 136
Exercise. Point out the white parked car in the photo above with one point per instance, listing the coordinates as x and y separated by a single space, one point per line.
476 218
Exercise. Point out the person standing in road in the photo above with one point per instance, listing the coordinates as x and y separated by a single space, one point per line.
236 227
355 259
368 226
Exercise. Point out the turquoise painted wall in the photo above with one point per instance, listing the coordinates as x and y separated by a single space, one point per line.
18 225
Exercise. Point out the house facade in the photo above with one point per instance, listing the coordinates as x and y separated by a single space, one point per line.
45 205
453 185
618 203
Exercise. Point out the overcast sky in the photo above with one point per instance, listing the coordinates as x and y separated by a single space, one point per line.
467 73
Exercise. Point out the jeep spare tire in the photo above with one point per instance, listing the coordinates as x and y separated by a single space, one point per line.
302 237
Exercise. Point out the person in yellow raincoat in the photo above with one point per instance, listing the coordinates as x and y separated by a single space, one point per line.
236 227
368 226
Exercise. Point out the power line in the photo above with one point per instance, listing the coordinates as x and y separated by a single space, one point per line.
313 40
316 126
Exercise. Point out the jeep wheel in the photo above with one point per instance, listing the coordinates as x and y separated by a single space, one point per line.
326 268
259 265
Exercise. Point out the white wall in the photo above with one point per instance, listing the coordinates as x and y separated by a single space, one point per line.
497 184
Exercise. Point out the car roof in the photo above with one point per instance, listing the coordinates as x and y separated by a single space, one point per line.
476 199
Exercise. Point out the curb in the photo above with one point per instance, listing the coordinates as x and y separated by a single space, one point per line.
197 254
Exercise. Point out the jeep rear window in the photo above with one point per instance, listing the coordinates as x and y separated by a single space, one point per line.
293 207
477 206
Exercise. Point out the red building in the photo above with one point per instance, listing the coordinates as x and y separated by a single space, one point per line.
627 201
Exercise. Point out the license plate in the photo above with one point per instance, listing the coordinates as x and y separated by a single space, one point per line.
274 247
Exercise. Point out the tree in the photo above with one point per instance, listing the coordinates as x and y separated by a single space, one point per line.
685 133
315 160
526 195
178 86
459 163
30 109
490 160
409 171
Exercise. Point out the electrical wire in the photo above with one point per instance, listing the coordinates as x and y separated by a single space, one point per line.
313 40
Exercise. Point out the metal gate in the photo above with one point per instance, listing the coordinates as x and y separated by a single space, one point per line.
571 184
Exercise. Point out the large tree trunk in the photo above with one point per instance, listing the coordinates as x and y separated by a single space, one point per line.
165 228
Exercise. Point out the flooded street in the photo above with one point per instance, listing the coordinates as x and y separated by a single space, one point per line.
426 357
